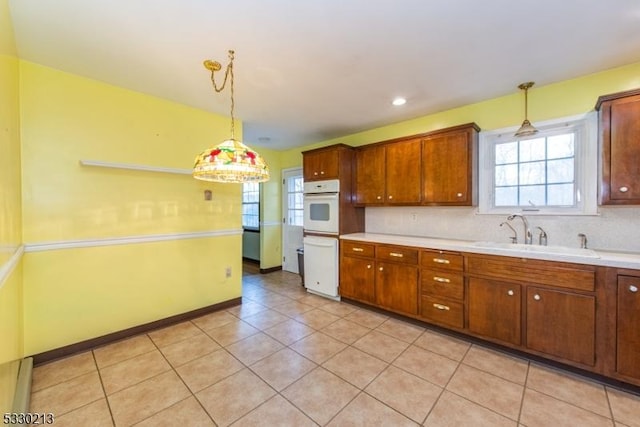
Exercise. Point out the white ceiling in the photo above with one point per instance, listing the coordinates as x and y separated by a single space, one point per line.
310 70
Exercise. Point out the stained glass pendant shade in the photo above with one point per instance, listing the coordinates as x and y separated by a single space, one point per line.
231 161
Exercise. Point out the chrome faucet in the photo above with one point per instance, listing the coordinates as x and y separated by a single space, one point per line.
583 240
514 238
542 237
528 239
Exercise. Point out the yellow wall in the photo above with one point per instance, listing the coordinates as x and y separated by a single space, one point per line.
556 100
77 294
11 330
271 213
73 295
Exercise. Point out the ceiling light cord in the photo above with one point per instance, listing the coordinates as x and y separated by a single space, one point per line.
228 76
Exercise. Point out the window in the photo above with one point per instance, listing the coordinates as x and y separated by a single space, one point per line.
551 172
251 205
295 187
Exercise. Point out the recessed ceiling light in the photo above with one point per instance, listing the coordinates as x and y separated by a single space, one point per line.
399 101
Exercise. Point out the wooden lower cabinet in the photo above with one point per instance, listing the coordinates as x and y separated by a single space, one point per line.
397 287
495 310
561 324
581 315
628 327
357 277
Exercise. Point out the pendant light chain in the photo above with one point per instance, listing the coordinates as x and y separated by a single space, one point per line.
228 73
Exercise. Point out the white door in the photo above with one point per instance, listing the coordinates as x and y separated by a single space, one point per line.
292 216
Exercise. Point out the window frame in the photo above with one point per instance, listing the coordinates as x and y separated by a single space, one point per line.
585 166
243 203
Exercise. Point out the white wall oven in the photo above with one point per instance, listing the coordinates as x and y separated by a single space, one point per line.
321 207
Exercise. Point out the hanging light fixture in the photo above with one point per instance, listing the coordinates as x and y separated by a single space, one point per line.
527 128
231 161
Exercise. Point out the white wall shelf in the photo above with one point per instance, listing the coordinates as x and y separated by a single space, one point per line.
131 166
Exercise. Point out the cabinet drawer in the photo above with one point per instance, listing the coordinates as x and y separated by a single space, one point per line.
559 274
441 260
397 253
442 311
358 249
442 283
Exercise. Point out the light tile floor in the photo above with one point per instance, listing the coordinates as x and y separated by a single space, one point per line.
288 358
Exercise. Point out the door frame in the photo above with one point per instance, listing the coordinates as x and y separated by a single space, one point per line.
287 266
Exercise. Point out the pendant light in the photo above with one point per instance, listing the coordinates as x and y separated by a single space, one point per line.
527 128
231 161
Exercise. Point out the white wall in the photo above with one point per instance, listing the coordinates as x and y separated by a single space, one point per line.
616 228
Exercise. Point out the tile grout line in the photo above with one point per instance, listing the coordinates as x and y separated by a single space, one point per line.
104 391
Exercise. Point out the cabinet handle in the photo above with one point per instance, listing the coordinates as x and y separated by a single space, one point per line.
441 261
441 279
633 289
369 266
510 292
441 307
390 197
624 189
379 197
537 297
459 194
396 254
321 172
357 249
315 173
381 269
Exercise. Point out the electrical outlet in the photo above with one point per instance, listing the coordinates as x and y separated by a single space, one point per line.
227 272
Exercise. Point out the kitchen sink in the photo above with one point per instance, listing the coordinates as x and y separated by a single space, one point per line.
528 249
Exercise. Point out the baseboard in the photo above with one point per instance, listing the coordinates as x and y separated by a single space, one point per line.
22 396
270 270
80 347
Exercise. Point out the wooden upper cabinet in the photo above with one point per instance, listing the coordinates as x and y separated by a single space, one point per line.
402 163
370 175
449 167
620 148
389 173
321 164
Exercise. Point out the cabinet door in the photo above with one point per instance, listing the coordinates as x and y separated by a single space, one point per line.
320 165
447 169
561 324
370 177
402 165
620 123
397 287
495 310
628 332
357 277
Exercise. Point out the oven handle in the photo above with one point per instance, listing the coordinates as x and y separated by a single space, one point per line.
320 196
324 242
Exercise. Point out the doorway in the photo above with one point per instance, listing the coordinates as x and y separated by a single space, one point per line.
292 215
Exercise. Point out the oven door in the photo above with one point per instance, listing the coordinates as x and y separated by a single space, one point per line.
321 213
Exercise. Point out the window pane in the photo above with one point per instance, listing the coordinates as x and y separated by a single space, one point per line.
506 196
532 173
507 153
561 195
532 149
560 146
507 175
532 195
560 170
295 217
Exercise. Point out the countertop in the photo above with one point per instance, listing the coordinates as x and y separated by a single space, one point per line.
604 258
